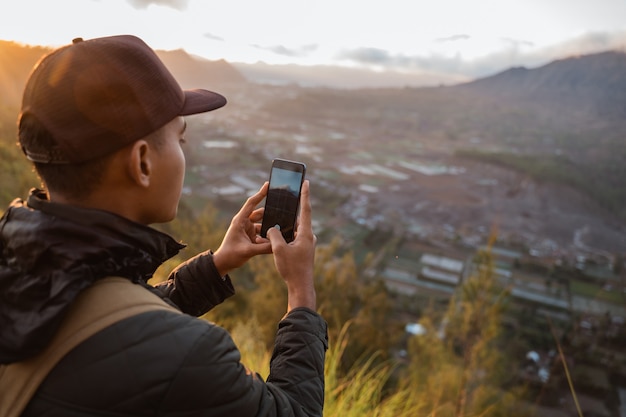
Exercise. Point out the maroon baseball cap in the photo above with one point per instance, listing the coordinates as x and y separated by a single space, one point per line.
98 95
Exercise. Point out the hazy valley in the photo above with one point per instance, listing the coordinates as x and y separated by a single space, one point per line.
537 156
417 179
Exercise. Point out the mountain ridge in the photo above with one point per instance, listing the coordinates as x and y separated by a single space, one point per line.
562 95
595 83
17 60
328 76
595 75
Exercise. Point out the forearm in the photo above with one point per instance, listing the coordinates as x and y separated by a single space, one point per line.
301 295
196 286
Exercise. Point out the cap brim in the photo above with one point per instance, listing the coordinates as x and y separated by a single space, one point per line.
200 101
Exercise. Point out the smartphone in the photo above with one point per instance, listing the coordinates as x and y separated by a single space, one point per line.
283 197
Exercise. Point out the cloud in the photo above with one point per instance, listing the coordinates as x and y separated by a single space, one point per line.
591 42
301 51
382 58
174 4
516 43
453 38
513 53
213 37
369 56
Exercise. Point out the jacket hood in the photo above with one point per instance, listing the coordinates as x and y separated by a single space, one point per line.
50 252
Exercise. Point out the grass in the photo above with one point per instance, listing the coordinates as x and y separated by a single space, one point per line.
360 392
565 368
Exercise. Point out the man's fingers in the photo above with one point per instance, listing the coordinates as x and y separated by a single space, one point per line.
261 247
275 237
257 215
305 209
253 201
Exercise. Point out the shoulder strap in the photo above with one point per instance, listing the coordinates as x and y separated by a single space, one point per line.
106 302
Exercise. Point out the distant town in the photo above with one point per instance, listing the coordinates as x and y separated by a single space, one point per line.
424 213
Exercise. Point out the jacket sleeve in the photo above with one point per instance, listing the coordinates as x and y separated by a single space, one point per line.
297 365
213 382
196 286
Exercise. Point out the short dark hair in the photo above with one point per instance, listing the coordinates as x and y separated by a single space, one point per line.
71 180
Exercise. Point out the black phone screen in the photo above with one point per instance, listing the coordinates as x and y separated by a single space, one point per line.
283 197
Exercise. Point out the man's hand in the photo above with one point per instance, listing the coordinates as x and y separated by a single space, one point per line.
242 240
294 260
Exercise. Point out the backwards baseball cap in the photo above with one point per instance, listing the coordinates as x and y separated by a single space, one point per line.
98 95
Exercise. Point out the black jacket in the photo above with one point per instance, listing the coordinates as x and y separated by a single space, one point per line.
156 363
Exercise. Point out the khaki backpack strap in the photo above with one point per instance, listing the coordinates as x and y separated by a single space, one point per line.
106 302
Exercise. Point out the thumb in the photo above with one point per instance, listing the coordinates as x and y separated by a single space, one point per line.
275 237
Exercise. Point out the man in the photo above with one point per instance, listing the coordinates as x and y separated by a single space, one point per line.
102 121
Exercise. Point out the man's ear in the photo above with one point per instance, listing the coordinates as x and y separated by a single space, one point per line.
139 163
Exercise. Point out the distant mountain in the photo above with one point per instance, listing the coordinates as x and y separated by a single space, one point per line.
196 72
340 77
17 61
575 105
593 83
578 90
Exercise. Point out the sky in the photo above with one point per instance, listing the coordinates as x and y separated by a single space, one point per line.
455 37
